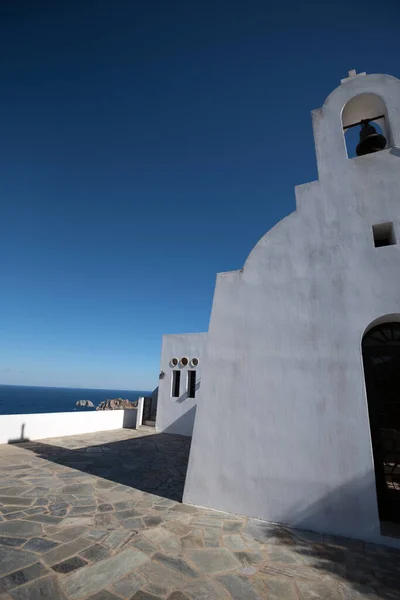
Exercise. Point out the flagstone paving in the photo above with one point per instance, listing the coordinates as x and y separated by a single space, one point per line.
98 517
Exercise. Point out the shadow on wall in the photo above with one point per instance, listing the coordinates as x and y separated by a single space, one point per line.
183 425
154 398
185 396
22 437
362 570
340 510
129 420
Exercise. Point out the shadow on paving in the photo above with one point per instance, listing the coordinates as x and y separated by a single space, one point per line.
362 570
291 564
155 464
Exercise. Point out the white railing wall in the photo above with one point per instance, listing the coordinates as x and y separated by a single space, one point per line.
46 425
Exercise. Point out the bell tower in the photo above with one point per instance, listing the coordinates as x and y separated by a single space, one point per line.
368 103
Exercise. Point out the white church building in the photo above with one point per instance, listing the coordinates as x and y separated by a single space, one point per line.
293 395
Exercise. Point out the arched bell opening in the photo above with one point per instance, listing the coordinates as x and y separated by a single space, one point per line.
365 125
381 357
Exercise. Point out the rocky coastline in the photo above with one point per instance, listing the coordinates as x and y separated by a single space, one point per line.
108 404
85 403
116 404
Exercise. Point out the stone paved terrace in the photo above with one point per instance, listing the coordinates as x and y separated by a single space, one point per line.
96 517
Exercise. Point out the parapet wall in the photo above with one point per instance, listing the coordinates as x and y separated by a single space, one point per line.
46 425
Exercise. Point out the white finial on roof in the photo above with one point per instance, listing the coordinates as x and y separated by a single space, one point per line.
352 73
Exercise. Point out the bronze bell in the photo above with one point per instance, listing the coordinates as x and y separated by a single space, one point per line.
370 140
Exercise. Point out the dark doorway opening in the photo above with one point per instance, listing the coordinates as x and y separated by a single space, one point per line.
149 411
381 355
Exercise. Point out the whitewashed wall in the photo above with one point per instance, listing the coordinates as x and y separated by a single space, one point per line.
282 431
46 425
176 415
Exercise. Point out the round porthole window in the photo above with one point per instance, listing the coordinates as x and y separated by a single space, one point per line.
184 361
194 362
174 362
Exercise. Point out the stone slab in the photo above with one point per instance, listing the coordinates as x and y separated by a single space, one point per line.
206 589
40 545
14 515
83 510
77 522
127 514
104 595
135 523
159 535
249 558
213 560
152 521
14 490
282 589
118 538
140 542
295 571
14 501
92 579
211 537
234 542
46 519
22 576
66 535
238 587
20 529
160 575
46 588
66 550
192 541
318 590
143 595
95 553
105 507
96 534
82 489
106 520
12 541
69 565
232 526
129 584
13 560
177 563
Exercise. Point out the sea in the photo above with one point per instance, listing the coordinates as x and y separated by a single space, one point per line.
21 399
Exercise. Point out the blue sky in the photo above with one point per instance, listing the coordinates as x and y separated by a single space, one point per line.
144 147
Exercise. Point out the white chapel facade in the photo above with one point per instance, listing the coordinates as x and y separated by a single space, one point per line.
297 409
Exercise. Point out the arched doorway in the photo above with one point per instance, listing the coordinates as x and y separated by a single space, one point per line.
381 355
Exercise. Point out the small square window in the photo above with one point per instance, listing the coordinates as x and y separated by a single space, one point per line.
384 235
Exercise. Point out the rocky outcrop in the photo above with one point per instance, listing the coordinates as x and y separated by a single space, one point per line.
116 404
87 403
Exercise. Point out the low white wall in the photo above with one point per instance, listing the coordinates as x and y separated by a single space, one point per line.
46 425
